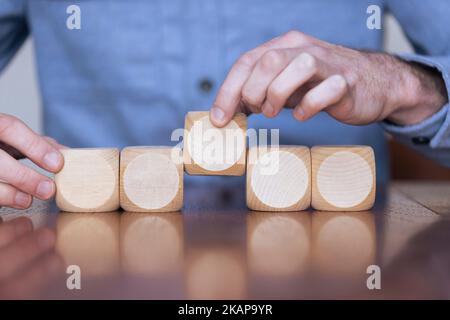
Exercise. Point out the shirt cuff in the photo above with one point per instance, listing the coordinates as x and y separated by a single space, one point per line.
433 132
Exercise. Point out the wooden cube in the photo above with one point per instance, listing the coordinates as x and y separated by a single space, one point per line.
151 179
279 179
209 150
343 178
88 181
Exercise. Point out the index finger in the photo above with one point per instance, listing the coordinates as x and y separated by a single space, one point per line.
228 98
35 147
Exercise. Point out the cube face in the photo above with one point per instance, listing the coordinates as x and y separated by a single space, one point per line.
89 180
279 179
343 178
214 151
151 179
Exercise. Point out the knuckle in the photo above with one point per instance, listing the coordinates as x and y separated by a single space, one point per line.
250 100
275 93
294 37
51 140
35 147
272 59
339 83
311 102
246 60
308 61
318 51
7 124
22 179
6 196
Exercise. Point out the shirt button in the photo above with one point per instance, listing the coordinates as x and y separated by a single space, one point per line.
206 85
421 140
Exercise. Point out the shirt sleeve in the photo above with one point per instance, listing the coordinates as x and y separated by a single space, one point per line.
425 24
13 29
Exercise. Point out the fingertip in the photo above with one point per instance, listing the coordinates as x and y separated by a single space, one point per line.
268 110
299 114
54 160
338 82
218 117
46 189
22 200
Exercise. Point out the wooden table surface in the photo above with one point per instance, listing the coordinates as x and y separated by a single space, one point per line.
216 248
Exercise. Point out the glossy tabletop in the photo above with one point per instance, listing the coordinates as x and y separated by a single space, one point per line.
217 249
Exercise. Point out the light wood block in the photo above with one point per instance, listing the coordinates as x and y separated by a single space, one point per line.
343 178
151 179
209 150
89 180
279 179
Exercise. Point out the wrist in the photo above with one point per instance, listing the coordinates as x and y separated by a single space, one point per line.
419 93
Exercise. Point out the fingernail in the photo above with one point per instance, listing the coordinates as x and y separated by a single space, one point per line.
267 109
22 200
45 189
300 113
218 114
46 240
52 160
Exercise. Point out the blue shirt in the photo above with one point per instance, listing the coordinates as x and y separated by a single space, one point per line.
135 67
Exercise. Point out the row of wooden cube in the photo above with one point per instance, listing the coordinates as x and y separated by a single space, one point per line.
329 178
286 178
150 179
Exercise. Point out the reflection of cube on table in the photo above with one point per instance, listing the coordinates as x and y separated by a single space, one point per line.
279 178
209 150
90 241
151 179
343 243
151 244
278 244
89 180
343 178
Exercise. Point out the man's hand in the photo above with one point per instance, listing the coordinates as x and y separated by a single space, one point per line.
18 183
310 75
